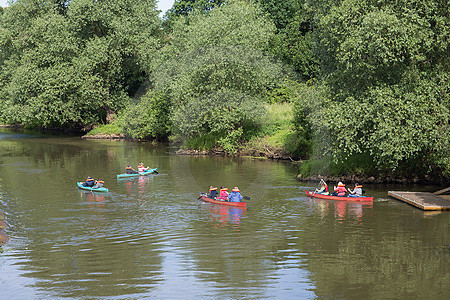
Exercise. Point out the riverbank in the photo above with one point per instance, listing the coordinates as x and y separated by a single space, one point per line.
279 154
243 153
388 179
10 126
103 136
263 150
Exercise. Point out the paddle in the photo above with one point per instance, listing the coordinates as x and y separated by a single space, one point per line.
156 172
246 198
201 195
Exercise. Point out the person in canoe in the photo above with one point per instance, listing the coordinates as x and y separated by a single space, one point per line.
89 182
323 188
339 190
235 195
223 193
99 184
357 191
212 192
142 168
130 170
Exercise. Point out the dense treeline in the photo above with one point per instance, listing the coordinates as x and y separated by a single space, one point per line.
73 63
358 87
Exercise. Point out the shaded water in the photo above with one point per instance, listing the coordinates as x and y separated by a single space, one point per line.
150 237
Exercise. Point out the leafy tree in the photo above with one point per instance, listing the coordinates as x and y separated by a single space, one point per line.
182 8
282 12
293 43
73 63
386 66
216 69
150 118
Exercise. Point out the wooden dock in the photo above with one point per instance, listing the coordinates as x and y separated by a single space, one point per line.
422 200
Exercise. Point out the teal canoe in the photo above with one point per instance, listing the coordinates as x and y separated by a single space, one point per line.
148 172
80 185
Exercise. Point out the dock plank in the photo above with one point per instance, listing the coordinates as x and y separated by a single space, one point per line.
422 200
443 191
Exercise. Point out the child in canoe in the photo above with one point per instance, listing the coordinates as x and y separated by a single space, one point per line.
142 168
212 192
323 188
89 182
339 190
130 170
223 194
235 195
357 191
99 184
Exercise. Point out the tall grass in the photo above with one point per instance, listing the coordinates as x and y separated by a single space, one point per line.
108 129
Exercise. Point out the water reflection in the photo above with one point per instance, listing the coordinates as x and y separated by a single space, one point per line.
94 199
221 215
3 225
136 184
342 210
150 237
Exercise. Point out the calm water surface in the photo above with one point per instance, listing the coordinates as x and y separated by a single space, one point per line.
150 237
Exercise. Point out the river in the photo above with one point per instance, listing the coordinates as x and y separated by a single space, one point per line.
150 237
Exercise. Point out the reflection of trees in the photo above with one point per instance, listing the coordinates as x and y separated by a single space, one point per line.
113 250
229 259
77 247
3 225
243 260
388 255
198 173
222 215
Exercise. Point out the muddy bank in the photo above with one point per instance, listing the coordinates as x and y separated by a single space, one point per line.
10 126
221 152
105 137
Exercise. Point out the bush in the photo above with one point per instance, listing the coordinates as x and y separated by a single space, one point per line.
147 119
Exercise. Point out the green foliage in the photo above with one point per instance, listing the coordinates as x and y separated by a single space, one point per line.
215 71
278 116
203 142
70 64
182 8
293 43
223 111
281 12
109 129
230 142
147 119
277 134
386 68
285 92
294 46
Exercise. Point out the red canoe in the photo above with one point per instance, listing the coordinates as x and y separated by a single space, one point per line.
321 196
239 204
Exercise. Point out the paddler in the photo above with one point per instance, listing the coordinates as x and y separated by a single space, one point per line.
323 188
223 193
99 184
130 170
357 191
89 182
142 168
235 195
212 192
339 190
